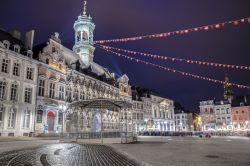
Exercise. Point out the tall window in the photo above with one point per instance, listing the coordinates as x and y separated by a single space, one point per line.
5 65
52 90
69 94
41 87
61 92
76 94
155 115
2 90
26 119
82 95
16 69
30 72
39 117
60 118
12 118
28 95
47 61
13 93
1 113
78 38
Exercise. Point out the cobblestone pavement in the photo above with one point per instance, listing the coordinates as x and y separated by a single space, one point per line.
66 155
189 151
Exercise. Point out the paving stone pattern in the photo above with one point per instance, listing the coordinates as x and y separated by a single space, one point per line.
66 155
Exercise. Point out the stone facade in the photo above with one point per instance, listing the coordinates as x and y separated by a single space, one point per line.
37 86
183 122
207 115
154 113
241 113
18 83
223 115
216 115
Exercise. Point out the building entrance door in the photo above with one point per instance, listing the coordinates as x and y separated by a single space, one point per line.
51 121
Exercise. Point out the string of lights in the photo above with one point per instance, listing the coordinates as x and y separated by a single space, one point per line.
166 58
178 32
174 70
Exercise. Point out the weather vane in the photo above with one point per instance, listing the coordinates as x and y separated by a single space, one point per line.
85 7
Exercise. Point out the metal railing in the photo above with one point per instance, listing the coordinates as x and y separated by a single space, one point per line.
92 135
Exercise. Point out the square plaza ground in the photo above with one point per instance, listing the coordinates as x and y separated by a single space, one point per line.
156 151
189 151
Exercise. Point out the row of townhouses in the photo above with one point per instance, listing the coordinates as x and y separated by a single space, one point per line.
226 115
37 84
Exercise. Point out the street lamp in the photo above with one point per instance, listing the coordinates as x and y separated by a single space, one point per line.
62 108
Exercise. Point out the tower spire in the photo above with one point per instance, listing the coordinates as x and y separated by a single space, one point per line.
228 93
85 8
84 44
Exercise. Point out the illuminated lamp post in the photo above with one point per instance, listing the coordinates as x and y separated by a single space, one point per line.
62 109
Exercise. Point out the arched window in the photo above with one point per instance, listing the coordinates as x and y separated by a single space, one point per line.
78 37
6 44
17 48
91 37
84 36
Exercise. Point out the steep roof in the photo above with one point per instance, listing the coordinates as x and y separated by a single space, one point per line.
243 100
4 35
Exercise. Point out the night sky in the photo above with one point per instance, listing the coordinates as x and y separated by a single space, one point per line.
125 18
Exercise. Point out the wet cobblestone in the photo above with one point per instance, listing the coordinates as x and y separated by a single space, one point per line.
66 155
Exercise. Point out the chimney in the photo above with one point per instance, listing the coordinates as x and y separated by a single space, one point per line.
29 39
16 34
245 99
113 75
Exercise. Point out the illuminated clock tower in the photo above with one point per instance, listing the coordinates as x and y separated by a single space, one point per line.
84 28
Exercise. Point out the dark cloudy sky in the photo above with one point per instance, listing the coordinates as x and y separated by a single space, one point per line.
124 18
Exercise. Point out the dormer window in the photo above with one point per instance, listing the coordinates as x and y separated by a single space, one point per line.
29 53
17 48
47 61
6 44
